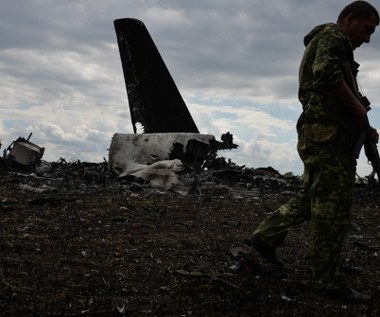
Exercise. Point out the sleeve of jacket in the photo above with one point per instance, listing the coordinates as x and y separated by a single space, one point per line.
331 56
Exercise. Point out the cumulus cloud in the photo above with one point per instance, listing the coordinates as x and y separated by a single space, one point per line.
234 62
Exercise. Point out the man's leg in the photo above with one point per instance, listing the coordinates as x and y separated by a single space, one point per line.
275 227
272 231
332 194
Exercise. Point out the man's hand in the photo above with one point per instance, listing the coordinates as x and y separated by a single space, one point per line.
374 135
359 112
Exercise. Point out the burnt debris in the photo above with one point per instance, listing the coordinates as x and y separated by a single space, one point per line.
168 176
22 153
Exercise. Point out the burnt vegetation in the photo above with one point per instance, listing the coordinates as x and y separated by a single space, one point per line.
77 240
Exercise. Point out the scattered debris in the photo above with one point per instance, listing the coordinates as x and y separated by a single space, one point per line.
24 152
169 175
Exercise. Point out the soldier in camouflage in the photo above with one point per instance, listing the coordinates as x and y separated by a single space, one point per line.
328 129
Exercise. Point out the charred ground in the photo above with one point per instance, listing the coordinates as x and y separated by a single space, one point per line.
80 242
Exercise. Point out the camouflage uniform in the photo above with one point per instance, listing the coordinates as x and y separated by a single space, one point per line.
326 138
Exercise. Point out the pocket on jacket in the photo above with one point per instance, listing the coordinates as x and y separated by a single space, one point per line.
320 132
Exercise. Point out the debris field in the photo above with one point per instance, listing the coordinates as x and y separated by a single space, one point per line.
76 240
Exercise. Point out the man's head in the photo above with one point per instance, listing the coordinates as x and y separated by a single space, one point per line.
359 20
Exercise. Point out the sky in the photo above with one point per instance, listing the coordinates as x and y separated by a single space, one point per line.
235 64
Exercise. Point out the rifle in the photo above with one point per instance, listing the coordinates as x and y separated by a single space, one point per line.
370 147
365 137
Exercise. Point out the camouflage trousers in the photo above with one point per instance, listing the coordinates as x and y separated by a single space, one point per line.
329 177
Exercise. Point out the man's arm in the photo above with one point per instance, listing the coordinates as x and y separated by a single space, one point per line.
344 94
369 136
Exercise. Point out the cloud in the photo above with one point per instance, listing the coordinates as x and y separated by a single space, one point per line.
234 62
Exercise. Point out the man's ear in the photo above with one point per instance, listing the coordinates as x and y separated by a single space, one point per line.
350 18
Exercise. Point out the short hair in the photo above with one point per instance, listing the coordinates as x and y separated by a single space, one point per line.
362 9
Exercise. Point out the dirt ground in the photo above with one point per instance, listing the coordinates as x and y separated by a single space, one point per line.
95 246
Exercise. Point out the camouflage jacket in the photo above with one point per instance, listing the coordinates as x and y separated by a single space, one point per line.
327 58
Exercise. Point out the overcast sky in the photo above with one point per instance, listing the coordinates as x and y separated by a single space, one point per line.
234 62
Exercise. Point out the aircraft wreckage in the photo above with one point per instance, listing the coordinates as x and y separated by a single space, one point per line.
170 142
170 138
